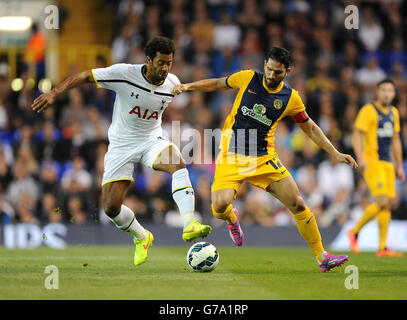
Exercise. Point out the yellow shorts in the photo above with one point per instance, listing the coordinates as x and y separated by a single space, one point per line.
232 169
381 178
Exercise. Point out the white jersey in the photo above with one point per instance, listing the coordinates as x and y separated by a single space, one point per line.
139 104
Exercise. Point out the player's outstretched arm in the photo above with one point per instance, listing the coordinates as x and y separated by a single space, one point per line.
48 98
205 85
315 133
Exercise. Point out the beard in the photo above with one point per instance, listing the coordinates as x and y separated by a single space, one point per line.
158 77
273 83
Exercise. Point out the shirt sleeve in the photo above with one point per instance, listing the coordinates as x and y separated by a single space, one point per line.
173 79
396 120
364 119
239 79
295 105
110 77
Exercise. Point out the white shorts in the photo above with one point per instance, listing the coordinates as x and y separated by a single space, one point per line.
119 161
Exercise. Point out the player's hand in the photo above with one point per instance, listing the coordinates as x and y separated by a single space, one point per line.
345 158
179 88
400 174
44 101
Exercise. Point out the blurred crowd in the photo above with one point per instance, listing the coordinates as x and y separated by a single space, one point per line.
51 164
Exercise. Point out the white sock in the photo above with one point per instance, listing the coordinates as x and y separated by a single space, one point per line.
126 221
183 195
323 256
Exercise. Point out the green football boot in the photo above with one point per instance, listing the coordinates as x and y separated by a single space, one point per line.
140 255
195 230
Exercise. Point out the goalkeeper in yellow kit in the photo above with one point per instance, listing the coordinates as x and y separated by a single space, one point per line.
247 147
375 139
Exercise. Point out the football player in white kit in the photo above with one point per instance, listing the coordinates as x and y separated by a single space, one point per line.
135 135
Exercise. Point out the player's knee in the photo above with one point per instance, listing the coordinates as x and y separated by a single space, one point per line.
220 205
175 167
383 202
298 205
176 161
172 167
111 209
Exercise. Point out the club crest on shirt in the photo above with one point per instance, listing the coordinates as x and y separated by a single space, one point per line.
386 131
278 104
257 113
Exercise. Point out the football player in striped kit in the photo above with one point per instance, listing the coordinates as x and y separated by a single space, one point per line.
376 141
247 147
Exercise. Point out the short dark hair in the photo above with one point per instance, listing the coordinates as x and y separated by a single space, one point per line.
396 99
281 55
387 80
159 44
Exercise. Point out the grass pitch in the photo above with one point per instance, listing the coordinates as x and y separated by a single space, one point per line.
96 272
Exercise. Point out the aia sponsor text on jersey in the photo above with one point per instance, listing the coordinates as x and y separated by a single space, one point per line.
145 115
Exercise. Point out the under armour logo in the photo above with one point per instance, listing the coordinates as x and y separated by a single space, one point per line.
132 95
188 192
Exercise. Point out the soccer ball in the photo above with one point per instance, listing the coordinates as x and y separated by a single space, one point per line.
203 257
